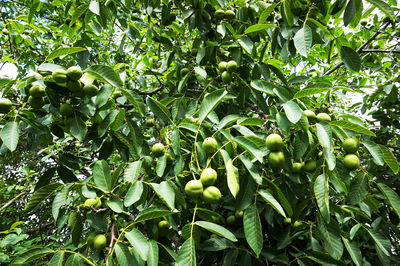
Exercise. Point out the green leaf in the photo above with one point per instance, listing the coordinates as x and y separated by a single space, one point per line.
78 128
282 198
79 11
251 147
165 192
210 102
258 27
123 254
247 44
390 159
375 151
321 191
59 200
63 51
267 196
74 260
324 134
31 255
77 227
187 254
102 175
135 100
105 73
253 229
265 14
287 12
358 189
309 92
134 193
161 165
152 256
152 213
132 172
384 7
350 11
57 259
380 240
159 109
138 242
41 195
292 111
217 229
10 135
115 204
330 158
263 86
354 251
200 73
391 196
330 234
251 168
232 174
303 40
350 58
353 127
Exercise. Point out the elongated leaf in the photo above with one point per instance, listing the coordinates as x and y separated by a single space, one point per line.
247 44
324 134
251 168
309 92
354 251
258 27
265 14
10 135
263 86
165 192
40 195
57 259
187 254
350 58
251 147
134 193
74 260
350 11
161 165
380 240
210 102
115 204
232 174
330 233
78 128
292 111
159 109
267 196
123 254
281 197
321 191
390 159
353 127
287 12
31 255
153 213
102 175
79 11
64 51
375 151
105 73
391 196
384 7
139 242
358 188
132 172
152 257
253 229
135 100
217 229
59 201
303 40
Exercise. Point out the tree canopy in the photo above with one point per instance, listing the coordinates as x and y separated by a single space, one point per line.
215 132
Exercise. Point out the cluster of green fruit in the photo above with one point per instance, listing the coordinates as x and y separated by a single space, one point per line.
71 77
226 69
97 241
36 96
276 158
221 14
5 105
350 147
321 117
195 188
95 203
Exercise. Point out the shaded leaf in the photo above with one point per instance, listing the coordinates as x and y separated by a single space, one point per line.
217 229
253 229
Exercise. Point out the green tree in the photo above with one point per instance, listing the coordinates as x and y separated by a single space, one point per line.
119 106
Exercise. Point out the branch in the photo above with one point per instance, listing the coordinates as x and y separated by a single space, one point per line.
380 51
11 201
40 227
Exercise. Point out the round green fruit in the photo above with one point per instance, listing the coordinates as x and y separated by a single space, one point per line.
350 145
222 66
226 77
276 159
231 66
74 73
351 162
297 167
229 14
90 239
90 90
239 215
212 194
158 149
184 71
194 188
310 115
150 122
170 158
66 109
59 75
95 203
274 142
5 105
74 86
99 242
36 103
37 91
208 177
323 117
219 14
209 145
310 166
231 220
163 225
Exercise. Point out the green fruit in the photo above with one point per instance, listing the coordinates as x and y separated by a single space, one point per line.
117 93
163 225
310 166
239 215
194 188
226 77
184 71
90 239
323 117
95 203
149 122
158 149
66 109
37 91
231 66
209 145
36 103
74 73
310 115
351 162
350 145
208 177
276 159
170 158
274 142
74 85
222 66
90 90
212 194
59 75
231 220
219 14
229 14
99 242
5 105
297 167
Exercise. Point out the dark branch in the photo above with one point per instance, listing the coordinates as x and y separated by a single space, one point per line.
380 51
